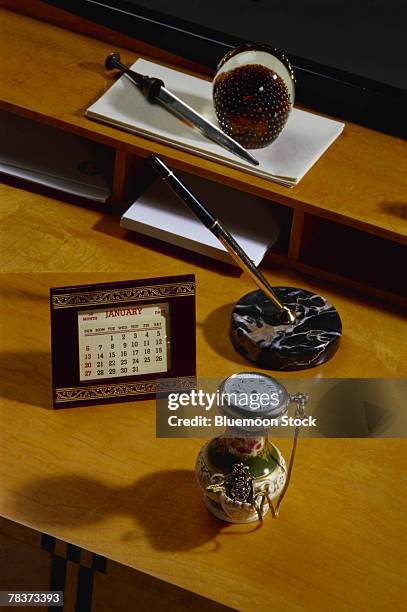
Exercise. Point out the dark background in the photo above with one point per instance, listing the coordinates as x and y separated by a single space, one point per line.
349 56
364 37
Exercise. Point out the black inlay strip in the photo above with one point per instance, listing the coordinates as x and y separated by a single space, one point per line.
48 543
58 575
84 589
99 563
73 553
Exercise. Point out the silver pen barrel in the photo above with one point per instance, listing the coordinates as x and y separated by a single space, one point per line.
244 262
221 233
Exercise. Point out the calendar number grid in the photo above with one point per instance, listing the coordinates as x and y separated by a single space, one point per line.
136 343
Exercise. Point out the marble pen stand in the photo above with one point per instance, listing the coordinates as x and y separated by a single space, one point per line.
258 334
280 328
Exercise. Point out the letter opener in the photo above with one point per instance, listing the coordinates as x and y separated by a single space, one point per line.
153 89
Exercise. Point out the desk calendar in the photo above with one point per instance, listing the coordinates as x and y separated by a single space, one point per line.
113 341
123 341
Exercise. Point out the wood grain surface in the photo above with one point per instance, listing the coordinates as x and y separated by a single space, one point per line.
52 75
43 234
97 476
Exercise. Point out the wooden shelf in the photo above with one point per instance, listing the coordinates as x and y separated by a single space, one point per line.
352 253
360 261
358 183
358 180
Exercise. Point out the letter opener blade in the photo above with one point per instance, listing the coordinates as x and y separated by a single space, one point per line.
153 89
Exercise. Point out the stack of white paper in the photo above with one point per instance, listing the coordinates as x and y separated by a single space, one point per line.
303 140
57 159
251 220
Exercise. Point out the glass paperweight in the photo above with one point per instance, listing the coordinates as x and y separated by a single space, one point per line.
253 94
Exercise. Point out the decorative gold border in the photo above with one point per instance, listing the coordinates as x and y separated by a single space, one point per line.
142 387
94 298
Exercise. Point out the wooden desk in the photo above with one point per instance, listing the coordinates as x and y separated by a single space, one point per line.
98 478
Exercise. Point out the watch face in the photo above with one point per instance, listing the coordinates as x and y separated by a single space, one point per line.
254 394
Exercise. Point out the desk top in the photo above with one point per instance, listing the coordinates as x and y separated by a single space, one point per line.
98 477
359 179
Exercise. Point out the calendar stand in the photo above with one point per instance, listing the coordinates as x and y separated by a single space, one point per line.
113 341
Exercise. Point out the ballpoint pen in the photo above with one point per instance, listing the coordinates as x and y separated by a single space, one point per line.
221 233
154 90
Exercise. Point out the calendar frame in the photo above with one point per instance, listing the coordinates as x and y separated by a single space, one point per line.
66 302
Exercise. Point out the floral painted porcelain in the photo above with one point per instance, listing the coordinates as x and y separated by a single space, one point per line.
232 472
241 472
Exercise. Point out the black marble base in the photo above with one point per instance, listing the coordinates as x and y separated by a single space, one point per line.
258 335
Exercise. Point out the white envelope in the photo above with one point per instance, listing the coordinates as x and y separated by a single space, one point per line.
252 221
303 140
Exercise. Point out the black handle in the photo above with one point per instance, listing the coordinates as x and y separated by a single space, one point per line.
184 194
150 86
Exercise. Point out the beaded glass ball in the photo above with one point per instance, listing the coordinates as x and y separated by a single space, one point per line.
253 94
